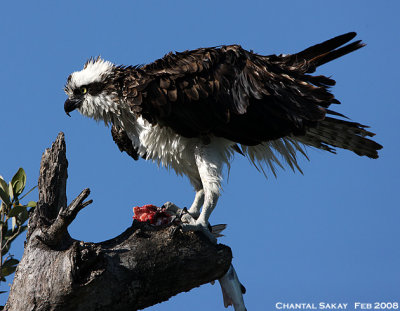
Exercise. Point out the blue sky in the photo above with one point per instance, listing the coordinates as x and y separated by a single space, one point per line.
330 235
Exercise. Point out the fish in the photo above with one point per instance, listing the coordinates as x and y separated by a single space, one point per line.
232 290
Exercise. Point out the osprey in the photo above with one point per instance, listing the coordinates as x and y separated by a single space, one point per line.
192 111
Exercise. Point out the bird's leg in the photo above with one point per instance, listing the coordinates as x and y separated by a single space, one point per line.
210 201
189 216
194 210
201 223
209 164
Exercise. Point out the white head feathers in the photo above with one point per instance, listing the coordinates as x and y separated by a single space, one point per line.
93 71
85 87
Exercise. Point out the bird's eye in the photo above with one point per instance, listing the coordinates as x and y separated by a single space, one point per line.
83 90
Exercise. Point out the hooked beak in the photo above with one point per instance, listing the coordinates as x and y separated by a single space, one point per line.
71 104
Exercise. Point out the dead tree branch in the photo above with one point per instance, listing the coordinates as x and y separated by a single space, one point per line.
142 266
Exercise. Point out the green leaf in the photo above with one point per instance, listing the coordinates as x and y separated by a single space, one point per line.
7 270
11 262
13 223
4 227
10 191
9 266
19 181
3 185
23 216
5 249
31 204
4 197
16 210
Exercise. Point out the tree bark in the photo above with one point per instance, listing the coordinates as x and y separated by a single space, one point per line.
142 266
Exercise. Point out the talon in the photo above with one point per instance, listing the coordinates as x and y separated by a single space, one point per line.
183 212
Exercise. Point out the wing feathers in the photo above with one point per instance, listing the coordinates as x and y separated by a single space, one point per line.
123 142
327 57
248 98
324 47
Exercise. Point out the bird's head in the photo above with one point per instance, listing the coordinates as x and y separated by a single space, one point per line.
91 91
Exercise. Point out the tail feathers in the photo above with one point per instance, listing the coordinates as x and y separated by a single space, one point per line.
341 134
329 50
216 230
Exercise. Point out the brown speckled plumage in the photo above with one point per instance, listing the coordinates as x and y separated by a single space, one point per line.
245 97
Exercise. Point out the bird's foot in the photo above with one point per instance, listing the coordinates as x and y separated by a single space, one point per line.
190 223
187 216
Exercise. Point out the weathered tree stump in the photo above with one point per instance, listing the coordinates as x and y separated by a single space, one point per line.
142 266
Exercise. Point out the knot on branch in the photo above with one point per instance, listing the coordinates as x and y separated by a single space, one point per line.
56 234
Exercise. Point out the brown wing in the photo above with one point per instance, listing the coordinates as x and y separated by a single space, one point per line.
123 142
230 92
